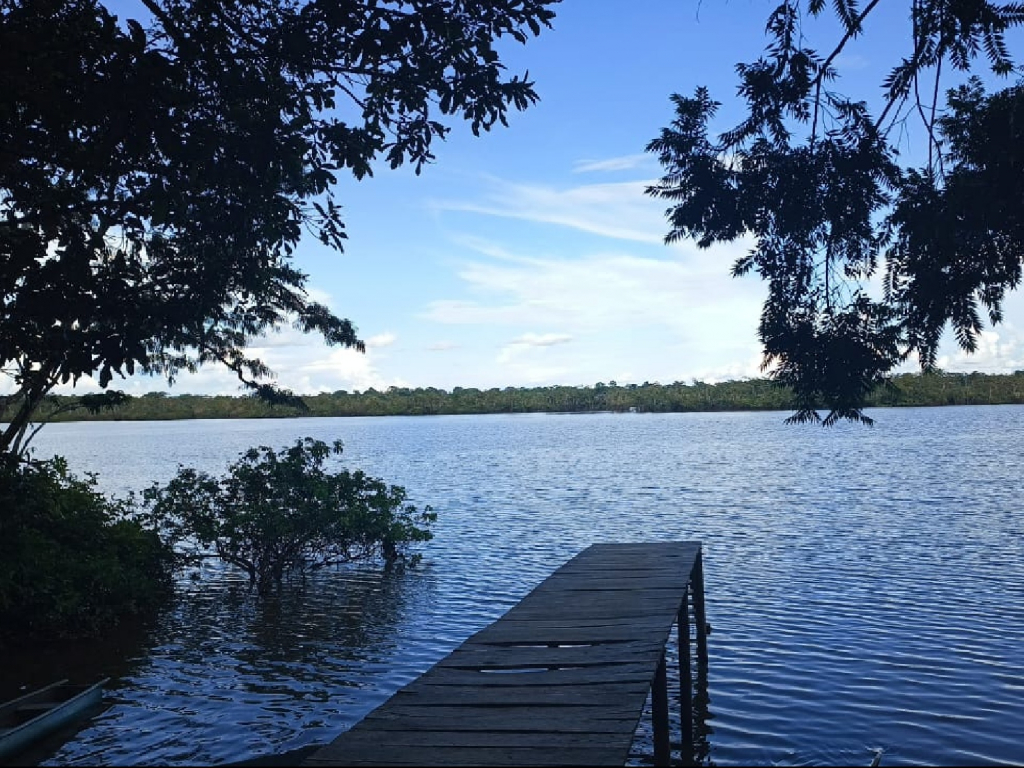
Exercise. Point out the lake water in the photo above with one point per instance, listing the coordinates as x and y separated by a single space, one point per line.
865 585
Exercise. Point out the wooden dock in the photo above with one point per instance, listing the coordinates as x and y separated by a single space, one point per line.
561 679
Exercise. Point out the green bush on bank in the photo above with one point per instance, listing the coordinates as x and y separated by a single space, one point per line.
73 563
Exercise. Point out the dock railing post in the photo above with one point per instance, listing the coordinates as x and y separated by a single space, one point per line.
685 682
699 616
659 715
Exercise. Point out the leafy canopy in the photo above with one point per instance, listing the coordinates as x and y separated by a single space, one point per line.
815 179
157 171
282 512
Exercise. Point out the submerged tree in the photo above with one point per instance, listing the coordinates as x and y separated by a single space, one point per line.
157 171
282 512
815 179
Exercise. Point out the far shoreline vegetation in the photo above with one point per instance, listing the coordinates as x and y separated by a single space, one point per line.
904 390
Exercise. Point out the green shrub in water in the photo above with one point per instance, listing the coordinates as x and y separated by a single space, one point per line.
276 513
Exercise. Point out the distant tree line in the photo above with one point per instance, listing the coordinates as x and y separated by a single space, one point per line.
912 389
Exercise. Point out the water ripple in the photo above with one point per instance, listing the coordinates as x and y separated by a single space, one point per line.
864 584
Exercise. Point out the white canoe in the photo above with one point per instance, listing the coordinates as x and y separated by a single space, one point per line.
29 718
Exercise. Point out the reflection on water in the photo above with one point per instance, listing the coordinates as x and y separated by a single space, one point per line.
865 585
231 675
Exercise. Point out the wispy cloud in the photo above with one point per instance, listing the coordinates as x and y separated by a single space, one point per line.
600 292
621 210
669 317
542 339
623 163
442 346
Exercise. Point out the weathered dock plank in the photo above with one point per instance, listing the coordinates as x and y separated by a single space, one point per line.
535 739
595 695
561 679
577 676
483 755
559 656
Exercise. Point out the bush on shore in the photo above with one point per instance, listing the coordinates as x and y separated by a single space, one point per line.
73 563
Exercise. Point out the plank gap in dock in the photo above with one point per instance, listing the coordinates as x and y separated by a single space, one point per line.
561 679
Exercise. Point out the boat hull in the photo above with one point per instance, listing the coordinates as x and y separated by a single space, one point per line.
31 717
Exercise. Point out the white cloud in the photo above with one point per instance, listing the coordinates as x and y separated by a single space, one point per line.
442 346
619 210
287 336
999 351
748 369
301 362
485 247
385 339
604 291
340 369
542 339
319 295
661 318
623 163
1000 348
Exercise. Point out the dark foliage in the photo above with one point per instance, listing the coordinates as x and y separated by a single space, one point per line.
72 563
156 173
814 179
276 513
958 239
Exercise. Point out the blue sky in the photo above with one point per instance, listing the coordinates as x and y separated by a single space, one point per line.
530 256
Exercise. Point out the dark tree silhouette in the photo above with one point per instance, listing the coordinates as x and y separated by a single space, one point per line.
814 177
157 172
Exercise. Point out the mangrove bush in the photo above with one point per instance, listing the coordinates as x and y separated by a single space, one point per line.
282 512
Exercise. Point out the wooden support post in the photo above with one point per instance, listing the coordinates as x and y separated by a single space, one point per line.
699 616
685 683
659 715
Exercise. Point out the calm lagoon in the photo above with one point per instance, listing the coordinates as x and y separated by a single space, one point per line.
865 585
